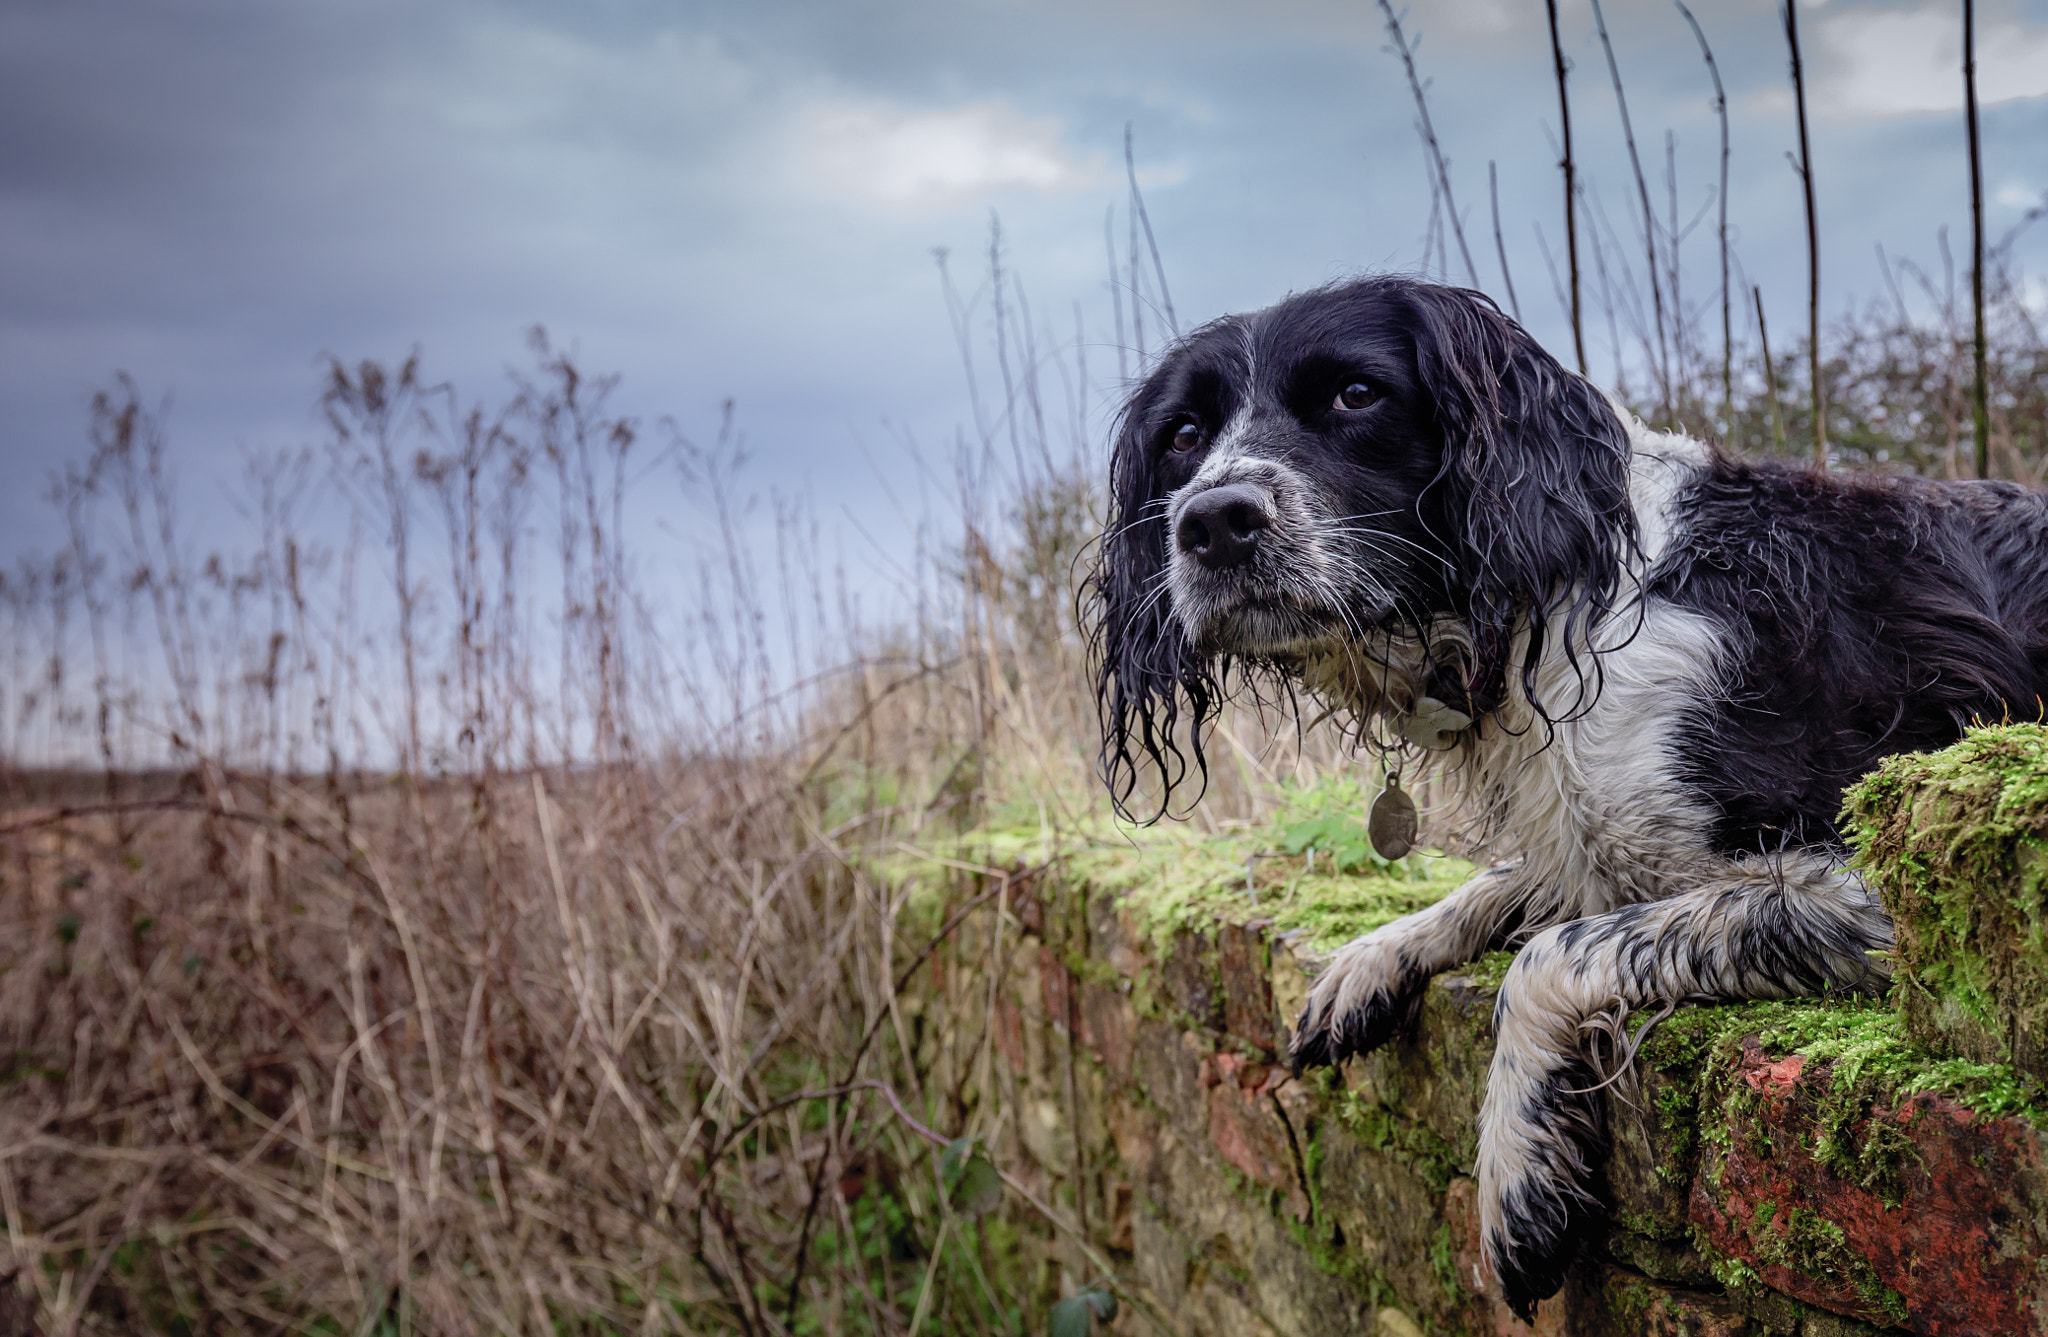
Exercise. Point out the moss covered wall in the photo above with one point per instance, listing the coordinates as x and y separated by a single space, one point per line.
1957 843
1798 1169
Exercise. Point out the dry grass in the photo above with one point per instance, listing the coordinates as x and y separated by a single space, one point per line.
506 1057
512 1052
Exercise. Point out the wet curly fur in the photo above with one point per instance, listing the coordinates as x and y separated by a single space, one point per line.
1384 493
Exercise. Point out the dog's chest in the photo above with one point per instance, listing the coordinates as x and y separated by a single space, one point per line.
1597 813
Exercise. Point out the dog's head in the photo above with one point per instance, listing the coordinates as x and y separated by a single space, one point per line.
1360 474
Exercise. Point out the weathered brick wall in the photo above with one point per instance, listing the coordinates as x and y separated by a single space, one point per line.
1799 1170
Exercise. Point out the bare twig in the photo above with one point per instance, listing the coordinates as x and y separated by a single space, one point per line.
1151 242
1763 336
1427 130
1980 414
1116 296
1790 12
1648 217
1571 209
1727 293
1500 245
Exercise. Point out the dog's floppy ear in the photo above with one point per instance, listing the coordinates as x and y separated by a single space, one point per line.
1144 666
1535 471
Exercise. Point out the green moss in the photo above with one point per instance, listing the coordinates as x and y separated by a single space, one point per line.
1380 1127
1806 1242
1634 1304
1677 1107
1333 910
1813 1246
1172 878
1329 1254
1878 1161
1649 1227
1733 1274
1443 1261
1696 1049
1956 844
1322 1242
1262 1197
1871 1063
1870 1053
1489 971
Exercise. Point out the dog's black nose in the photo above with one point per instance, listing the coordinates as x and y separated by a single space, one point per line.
1220 527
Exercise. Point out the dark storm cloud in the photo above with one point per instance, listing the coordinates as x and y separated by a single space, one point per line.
739 199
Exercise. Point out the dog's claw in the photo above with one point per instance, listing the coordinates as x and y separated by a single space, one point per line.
1324 1040
1534 1268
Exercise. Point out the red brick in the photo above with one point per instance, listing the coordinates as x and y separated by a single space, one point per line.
1961 1248
1055 989
1010 1032
1025 903
1108 1027
1190 980
1245 1125
1245 964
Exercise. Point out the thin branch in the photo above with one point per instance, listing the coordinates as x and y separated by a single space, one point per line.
1635 163
1571 225
1674 270
1980 413
1727 305
1805 165
1151 243
1116 295
1433 243
1763 336
1499 243
1428 132
1137 276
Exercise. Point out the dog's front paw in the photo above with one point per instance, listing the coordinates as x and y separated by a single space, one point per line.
1543 1219
1367 995
1541 1132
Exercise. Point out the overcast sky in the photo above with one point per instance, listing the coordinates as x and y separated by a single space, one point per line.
740 200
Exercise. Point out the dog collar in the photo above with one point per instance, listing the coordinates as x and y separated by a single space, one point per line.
1432 725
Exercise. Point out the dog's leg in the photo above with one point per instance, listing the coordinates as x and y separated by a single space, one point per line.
1792 925
1373 987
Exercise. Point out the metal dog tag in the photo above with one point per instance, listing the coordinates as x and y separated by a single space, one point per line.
1391 824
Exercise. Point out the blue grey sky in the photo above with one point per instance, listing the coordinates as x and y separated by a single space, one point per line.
739 200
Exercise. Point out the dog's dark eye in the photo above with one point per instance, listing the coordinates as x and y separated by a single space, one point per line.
1355 396
1186 437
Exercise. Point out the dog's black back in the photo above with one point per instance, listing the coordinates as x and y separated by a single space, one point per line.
1871 615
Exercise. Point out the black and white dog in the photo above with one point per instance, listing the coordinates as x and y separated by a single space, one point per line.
1661 665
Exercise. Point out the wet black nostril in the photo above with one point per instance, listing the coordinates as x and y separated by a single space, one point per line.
1220 527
